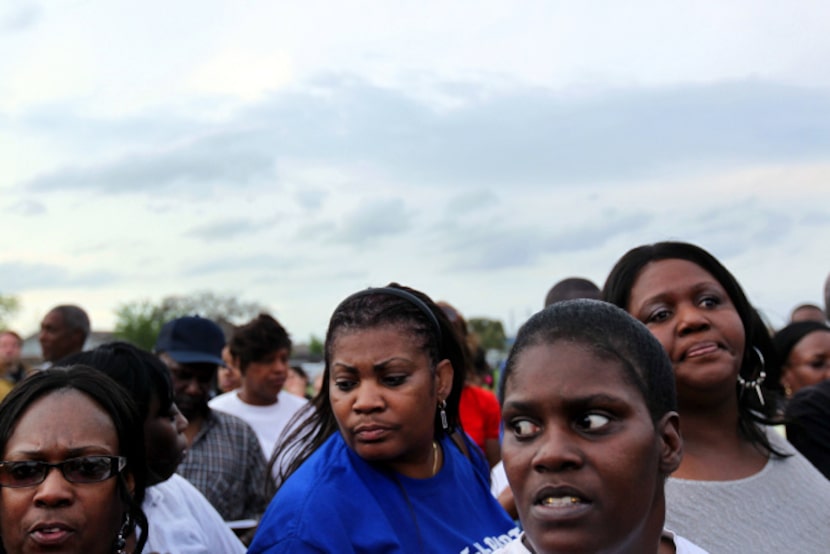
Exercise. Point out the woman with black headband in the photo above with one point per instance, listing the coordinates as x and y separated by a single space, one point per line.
381 464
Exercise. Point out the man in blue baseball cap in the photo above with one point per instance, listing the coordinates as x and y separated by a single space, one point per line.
224 460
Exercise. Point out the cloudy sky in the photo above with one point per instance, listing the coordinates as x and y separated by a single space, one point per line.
290 153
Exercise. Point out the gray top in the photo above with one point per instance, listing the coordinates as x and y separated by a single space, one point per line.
785 507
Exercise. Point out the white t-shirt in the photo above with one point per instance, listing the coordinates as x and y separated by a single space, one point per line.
267 422
498 479
182 521
681 545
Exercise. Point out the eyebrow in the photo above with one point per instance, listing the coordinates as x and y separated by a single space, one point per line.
92 449
588 399
380 366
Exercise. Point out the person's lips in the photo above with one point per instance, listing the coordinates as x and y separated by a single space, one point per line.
51 533
700 349
560 503
371 432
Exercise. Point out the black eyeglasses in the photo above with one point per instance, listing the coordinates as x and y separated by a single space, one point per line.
86 469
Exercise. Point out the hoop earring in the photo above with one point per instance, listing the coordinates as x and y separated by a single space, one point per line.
755 383
442 411
121 538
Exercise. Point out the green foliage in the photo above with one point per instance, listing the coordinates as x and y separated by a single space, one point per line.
315 346
490 332
9 305
140 322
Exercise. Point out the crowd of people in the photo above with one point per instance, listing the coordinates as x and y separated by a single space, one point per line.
658 413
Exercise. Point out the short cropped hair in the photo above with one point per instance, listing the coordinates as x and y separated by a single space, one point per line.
74 317
258 338
609 332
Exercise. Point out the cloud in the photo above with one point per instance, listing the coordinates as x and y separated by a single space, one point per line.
374 221
519 136
19 16
226 159
27 207
227 229
22 276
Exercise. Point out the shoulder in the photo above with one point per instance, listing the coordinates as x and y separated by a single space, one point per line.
224 400
231 423
290 401
324 488
681 545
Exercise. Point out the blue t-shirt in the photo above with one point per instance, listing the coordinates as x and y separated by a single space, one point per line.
338 502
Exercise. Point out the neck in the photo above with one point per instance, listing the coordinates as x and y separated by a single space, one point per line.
247 397
713 448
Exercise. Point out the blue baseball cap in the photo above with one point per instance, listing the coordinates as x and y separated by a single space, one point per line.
192 339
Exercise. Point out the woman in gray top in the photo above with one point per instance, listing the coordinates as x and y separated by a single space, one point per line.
740 487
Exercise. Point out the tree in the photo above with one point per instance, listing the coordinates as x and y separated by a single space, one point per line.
140 322
9 304
315 346
490 332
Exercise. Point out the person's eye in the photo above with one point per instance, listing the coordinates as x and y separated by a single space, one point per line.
657 316
394 380
92 467
23 471
819 363
344 385
710 301
524 428
592 421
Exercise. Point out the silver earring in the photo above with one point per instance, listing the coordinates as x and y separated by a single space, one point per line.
121 538
442 405
755 383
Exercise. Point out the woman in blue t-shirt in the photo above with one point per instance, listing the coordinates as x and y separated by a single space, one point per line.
380 463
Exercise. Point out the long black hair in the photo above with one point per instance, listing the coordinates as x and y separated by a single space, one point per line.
751 411
114 400
408 309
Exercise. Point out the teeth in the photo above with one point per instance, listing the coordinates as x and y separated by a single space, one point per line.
560 501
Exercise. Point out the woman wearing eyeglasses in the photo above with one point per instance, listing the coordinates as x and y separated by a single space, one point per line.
72 475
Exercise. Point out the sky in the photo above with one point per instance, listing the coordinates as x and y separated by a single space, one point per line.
291 153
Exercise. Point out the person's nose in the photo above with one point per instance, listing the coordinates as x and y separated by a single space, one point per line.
55 491
690 319
368 398
193 387
557 450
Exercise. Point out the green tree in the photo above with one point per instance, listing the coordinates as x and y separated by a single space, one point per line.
9 305
490 332
141 321
315 345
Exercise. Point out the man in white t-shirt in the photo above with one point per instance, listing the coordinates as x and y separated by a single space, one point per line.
260 349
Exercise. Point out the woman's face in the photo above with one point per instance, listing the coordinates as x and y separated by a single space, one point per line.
694 319
808 362
56 515
384 395
584 460
164 440
263 379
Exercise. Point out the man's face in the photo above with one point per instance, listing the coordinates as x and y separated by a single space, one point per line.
191 385
56 339
9 348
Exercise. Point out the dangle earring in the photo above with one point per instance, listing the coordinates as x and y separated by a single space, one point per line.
755 383
121 538
442 411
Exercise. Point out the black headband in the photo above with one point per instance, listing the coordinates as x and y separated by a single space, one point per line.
400 293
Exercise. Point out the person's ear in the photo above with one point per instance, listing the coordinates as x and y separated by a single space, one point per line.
786 380
671 443
129 481
443 379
